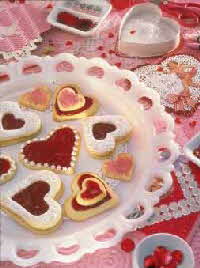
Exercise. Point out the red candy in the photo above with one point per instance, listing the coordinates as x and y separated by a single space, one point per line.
127 245
177 256
163 258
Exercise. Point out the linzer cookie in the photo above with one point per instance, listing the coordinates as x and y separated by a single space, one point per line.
16 125
70 103
103 133
7 168
57 152
37 99
90 197
32 202
120 168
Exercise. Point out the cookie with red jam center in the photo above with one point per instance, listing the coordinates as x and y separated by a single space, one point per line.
70 103
90 197
32 202
7 168
57 152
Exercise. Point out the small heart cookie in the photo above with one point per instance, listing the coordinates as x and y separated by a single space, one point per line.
32 202
57 152
70 103
16 125
7 168
37 99
90 197
102 133
120 168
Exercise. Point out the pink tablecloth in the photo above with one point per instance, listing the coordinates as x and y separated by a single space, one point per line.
103 45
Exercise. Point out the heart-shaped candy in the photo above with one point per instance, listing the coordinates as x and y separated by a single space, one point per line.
90 196
31 202
57 152
144 32
15 124
37 99
70 103
7 168
120 168
102 133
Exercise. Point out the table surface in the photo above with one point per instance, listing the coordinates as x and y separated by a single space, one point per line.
103 45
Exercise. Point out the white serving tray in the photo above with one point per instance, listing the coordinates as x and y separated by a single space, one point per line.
144 145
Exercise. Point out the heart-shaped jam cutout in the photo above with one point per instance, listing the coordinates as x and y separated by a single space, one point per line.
57 152
38 99
92 192
70 103
32 198
101 129
9 122
90 196
119 168
4 166
69 100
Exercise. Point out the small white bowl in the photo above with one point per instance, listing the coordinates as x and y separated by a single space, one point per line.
190 147
171 242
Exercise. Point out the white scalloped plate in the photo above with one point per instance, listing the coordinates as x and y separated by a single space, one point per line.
81 238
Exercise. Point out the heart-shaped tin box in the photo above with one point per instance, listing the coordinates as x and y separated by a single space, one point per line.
145 32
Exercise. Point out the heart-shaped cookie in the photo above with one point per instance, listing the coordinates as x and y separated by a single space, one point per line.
144 32
16 125
37 99
120 168
102 133
7 168
90 197
57 152
31 202
70 103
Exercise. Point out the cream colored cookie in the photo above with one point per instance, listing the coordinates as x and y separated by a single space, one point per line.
70 103
17 125
32 202
90 196
37 99
120 168
7 168
103 133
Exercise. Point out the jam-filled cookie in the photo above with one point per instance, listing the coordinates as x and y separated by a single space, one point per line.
7 168
120 168
37 99
57 152
32 202
70 103
16 125
103 133
90 197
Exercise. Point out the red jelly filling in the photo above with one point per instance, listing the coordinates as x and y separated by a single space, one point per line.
56 150
101 129
4 166
75 22
88 104
92 190
79 207
9 121
32 198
